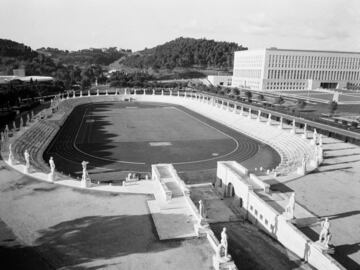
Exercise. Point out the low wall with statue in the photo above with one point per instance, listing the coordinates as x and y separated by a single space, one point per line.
231 178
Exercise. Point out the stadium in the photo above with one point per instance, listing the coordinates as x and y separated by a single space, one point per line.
181 146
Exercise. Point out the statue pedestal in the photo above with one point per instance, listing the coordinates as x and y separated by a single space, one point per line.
292 131
312 142
51 177
268 123
11 161
324 248
301 171
223 263
314 163
201 228
289 217
27 170
304 136
85 183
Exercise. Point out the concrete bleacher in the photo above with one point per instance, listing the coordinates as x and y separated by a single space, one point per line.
33 139
292 148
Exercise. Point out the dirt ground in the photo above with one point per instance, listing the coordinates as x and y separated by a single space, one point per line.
75 229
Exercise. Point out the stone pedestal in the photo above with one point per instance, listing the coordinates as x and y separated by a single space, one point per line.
51 177
304 135
224 263
313 142
324 248
26 169
301 171
314 163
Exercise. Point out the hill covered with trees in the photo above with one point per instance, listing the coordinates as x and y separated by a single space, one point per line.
185 53
85 57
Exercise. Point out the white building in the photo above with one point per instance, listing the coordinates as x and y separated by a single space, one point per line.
220 80
280 69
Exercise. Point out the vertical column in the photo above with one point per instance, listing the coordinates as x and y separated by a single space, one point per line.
249 114
281 123
259 116
269 120
293 129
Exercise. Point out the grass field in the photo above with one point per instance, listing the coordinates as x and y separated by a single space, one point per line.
120 137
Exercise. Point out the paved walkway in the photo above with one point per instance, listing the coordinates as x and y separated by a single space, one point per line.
334 191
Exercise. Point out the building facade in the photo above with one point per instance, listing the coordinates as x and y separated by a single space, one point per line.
280 69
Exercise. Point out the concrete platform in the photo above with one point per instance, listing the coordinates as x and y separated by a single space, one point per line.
173 219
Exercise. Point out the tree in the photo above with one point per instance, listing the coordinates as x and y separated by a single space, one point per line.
248 95
333 107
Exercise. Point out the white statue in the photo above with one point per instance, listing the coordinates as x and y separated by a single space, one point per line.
97 92
325 234
320 140
303 163
293 129
52 165
11 156
85 176
202 209
290 207
222 249
52 169
269 119
88 93
27 161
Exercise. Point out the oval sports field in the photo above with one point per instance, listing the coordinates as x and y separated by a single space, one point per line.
121 137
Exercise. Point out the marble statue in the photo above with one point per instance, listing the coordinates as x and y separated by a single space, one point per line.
320 140
88 93
85 175
269 119
202 209
259 116
325 234
11 155
27 161
293 129
222 252
52 169
52 165
281 123
97 92
106 92
249 115
290 207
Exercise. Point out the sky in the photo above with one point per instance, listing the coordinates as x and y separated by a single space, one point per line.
139 24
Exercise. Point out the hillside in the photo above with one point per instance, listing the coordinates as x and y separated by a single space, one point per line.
85 57
184 53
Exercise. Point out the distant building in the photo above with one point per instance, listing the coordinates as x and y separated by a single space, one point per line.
20 72
281 69
220 80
